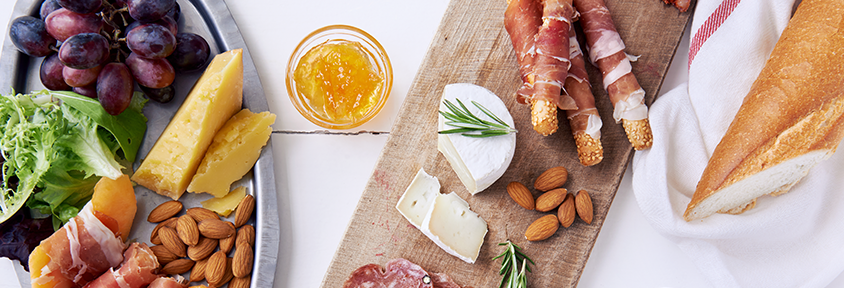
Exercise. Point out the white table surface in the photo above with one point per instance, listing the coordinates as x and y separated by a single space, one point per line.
321 176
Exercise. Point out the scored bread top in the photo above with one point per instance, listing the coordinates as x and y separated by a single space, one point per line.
791 108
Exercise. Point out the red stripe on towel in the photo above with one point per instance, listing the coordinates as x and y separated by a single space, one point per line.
712 23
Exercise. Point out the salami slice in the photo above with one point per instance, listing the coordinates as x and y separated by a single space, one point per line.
397 273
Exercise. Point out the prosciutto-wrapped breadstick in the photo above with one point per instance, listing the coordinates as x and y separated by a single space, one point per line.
136 271
606 49
585 121
89 244
551 66
522 20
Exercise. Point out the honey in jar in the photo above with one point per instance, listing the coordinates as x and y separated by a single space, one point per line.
339 80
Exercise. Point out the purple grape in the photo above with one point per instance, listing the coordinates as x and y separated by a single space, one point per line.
81 77
175 12
90 90
165 21
162 95
30 35
191 52
48 7
83 51
152 73
149 10
63 23
82 6
114 87
51 73
151 41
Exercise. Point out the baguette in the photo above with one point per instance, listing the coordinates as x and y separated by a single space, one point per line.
790 120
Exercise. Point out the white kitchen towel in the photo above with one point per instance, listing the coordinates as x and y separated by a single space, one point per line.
793 240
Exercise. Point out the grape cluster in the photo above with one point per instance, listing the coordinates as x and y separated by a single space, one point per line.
101 48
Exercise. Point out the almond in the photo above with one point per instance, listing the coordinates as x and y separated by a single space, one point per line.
198 272
165 210
542 228
551 178
202 249
171 240
551 199
215 269
178 266
566 212
242 261
245 236
163 254
153 237
227 275
519 193
583 203
215 228
199 214
244 211
187 230
240 282
227 243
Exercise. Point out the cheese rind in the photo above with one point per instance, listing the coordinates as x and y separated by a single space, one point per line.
417 200
232 153
216 96
454 227
478 162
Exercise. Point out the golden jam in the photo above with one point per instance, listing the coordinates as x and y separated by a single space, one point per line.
339 80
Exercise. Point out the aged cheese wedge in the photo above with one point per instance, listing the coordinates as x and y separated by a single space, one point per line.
454 227
478 162
233 152
225 205
216 96
418 198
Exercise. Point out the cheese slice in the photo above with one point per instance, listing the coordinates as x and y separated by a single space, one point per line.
174 158
455 228
478 162
225 205
418 198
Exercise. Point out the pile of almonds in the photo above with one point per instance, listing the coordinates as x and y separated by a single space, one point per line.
200 242
554 197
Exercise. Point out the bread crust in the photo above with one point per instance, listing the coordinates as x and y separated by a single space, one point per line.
793 107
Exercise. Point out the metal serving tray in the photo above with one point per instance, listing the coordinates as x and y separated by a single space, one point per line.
212 20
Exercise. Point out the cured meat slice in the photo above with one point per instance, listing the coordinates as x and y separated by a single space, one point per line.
585 121
522 20
78 252
551 66
606 49
169 282
136 271
681 5
397 273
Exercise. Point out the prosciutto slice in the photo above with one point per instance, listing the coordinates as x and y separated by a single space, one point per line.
397 273
136 271
169 282
522 20
81 250
606 50
551 66
585 122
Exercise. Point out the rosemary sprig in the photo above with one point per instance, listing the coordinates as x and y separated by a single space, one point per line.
467 124
511 260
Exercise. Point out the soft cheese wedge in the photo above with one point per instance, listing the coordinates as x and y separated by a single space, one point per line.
454 227
233 152
445 218
216 96
478 162
418 198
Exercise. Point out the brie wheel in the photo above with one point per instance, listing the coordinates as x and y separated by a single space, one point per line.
478 162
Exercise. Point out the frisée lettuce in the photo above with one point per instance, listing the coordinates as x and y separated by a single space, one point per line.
56 145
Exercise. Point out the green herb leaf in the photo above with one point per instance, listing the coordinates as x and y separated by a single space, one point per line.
513 266
470 125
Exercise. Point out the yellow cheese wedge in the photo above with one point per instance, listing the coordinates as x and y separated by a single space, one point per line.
224 206
233 152
216 96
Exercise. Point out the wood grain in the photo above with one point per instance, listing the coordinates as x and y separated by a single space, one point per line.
471 46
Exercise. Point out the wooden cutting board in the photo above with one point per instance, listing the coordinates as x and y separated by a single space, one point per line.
471 46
